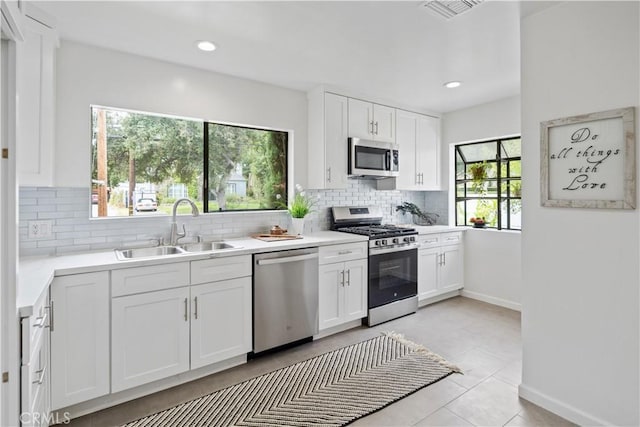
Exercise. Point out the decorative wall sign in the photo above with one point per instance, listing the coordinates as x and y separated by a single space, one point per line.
589 161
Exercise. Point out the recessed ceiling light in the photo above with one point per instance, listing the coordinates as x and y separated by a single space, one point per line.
451 85
207 46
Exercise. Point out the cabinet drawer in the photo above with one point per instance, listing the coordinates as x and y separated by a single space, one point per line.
34 326
216 269
34 377
429 240
451 238
145 279
344 252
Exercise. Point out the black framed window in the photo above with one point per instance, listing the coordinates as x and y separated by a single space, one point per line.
143 162
488 183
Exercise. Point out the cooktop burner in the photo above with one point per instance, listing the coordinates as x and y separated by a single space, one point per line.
378 231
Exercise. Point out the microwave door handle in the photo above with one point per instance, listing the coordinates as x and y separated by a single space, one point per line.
388 160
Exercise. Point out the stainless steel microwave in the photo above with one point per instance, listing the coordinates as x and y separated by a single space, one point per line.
372 158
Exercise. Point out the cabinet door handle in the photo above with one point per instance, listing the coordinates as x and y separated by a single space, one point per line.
344 252
195 307
444 259
342 278
372 131
417 178
376 132
186 316
41 373
329 174
349 277
50 307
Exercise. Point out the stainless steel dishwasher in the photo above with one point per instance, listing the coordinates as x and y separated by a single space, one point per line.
285 297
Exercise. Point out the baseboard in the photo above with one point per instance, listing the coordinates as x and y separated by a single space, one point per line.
492 300
438 298
559 408
336 329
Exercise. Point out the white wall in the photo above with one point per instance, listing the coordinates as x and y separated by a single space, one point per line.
492 259
580 299
90 75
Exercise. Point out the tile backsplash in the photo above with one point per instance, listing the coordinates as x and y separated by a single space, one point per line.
72 230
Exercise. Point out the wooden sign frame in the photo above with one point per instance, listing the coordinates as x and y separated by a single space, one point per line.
589 161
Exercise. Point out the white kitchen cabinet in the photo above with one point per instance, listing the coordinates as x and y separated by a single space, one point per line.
79 325
368 120
419 139
220 321
328 141
342 286
35 89
440 264
36 369
150 337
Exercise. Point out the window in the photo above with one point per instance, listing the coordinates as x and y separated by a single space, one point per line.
141 156
488 183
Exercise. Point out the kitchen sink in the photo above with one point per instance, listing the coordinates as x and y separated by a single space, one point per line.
159 251
206 246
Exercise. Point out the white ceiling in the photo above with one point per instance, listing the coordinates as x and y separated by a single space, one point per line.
393 51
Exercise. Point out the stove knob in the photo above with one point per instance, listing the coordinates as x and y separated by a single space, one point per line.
377 242
407 239
412 238
396 240
384 242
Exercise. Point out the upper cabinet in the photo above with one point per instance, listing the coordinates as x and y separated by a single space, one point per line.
371 121
35 90
328 135
419 139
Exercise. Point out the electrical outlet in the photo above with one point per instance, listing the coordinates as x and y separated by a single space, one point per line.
40 229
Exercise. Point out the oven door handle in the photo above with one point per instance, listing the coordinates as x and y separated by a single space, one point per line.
380 251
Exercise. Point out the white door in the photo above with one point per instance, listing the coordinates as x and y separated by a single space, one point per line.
384 123
336 135
406 139
361 123
79 338
428 152
150 337
451 270
220 321
330 295
428 267
355 290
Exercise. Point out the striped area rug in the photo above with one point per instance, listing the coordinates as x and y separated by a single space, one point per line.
332 389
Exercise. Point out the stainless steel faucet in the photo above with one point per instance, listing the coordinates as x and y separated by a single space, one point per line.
175 235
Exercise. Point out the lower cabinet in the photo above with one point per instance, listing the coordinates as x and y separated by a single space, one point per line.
150 337
440 264
220 321
342 292
79 313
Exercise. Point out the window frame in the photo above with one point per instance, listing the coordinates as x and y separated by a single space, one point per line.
499 161
204 188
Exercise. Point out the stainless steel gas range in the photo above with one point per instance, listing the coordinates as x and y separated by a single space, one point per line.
393 261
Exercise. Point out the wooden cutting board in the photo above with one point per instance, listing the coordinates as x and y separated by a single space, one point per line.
275 237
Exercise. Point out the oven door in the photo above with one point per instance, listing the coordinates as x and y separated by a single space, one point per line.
393 275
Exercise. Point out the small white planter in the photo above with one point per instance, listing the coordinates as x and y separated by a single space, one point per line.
297 226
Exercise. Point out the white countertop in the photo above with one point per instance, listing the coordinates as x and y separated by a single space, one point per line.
36 273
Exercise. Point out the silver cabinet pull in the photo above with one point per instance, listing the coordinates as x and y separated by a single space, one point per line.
376 128
186 316
195 309
349 277
342 278
50 307
444 259
41 373
344 252
329 174
372 131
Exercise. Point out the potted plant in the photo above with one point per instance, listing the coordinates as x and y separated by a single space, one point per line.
419 217
299 207
479 175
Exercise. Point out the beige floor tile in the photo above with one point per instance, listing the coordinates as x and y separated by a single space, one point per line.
443 417
511 374
534 415
490 403
477 365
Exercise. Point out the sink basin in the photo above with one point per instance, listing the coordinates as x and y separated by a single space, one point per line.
206 246
159 251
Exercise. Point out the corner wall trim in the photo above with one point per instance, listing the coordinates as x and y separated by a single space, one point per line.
559 408
492 300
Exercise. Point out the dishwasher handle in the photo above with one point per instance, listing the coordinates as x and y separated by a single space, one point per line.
287 259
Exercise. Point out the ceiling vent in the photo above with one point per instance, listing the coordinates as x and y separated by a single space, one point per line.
450 8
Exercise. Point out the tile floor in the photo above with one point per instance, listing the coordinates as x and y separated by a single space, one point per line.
484 340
